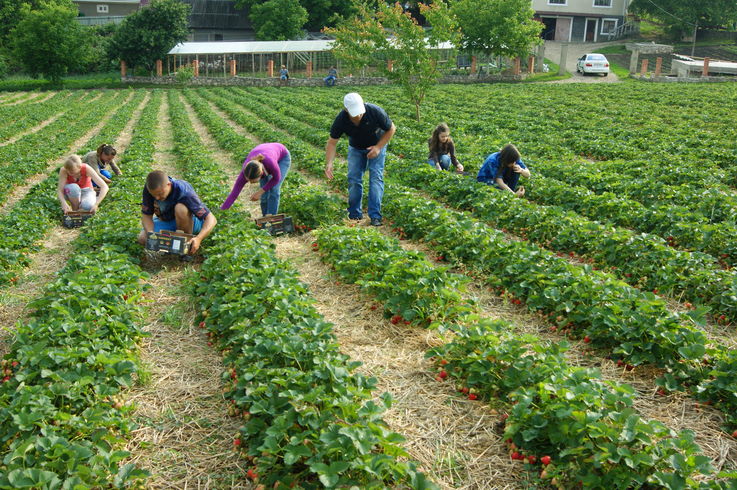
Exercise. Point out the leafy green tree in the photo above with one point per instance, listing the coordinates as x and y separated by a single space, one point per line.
685 17
278 20
49 41
497 27
320 13
148 34
364 40
11 10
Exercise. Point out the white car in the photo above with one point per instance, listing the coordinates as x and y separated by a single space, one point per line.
593 63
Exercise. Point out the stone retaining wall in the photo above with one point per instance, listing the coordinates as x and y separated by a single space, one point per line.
308 82
685 79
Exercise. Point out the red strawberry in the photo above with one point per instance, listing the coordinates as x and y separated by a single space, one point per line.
505 416
396 319
655 291
15 363
661 392
373 307
6 379
210 344
202 324
545 460
407 322
237 442
443 374
464 390
620 362
443 362
472 396
252 474
734 434
587 339
531 459
516 455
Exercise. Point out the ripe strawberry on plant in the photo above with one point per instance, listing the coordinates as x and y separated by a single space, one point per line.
252 474
545 460
443 374
396 319
472 396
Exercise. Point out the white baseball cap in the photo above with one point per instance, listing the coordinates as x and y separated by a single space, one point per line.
354 104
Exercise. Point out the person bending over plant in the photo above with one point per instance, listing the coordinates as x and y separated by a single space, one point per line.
172 204
503 169
75 190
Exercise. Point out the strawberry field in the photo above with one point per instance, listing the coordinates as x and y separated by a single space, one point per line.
581 337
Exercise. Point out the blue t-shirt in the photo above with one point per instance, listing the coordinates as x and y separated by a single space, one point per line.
368 132
492 170
181 192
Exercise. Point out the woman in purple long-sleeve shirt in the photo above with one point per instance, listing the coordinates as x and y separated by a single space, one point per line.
268 164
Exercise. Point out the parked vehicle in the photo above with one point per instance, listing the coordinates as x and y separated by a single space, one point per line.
593 63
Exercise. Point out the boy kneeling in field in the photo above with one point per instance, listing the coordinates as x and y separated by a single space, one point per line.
171 204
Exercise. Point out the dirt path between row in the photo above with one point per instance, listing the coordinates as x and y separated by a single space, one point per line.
20 191
185 436
676 410
55 250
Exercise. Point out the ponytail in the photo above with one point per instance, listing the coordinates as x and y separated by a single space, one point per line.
105 149
254 169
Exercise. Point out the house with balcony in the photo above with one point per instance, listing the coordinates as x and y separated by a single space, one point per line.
98 12
581 20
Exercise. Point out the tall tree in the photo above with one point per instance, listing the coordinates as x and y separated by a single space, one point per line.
10 12
278 20
49 41
391 33
685 17
497 27
148 34
320 13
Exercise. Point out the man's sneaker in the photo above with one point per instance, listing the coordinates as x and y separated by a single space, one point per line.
375 221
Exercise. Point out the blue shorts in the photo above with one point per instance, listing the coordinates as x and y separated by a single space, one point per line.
172 225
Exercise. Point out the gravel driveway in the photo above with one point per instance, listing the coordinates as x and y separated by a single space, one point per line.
575 51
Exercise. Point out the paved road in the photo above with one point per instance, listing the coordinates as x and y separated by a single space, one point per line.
575 51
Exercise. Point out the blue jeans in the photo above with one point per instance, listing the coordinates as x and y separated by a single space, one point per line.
329 80
357 165
444 161
270 198
104 173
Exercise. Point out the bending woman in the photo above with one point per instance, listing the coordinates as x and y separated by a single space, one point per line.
75 190
268 164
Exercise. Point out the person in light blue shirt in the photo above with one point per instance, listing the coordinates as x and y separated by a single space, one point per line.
503 170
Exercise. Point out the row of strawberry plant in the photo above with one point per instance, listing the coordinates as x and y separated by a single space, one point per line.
489 359
31 217
646 261
680 228
307 427
605 311
23 117
60 408
32 153
636 323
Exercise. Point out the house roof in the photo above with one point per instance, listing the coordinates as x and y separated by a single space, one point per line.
256 47
248 47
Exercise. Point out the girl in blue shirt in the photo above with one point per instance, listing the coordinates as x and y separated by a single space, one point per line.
503 169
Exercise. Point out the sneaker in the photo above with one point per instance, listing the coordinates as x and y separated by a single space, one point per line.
375 221
359 218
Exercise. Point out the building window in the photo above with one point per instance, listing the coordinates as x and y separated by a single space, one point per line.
608 26
102 9
557 2
602 3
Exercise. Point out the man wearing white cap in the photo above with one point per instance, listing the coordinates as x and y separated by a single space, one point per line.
369 129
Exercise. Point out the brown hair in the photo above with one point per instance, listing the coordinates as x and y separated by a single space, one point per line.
434 141
508 155
255 168
72 163
156 179
105 149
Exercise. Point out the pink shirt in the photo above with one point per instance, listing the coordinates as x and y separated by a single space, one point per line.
272 152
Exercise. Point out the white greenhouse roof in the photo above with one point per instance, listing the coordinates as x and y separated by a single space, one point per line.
248 47
256 47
